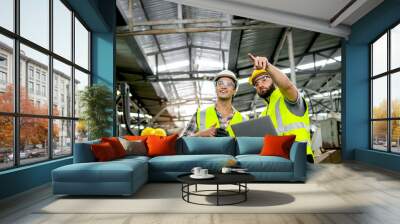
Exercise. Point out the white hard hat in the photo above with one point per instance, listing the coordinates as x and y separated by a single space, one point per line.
228 74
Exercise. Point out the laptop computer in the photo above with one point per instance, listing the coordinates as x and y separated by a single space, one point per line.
255 128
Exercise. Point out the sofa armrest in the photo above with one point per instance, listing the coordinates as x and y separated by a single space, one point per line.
83 152
298 157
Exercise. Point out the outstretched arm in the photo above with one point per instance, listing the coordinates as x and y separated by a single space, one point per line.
287 88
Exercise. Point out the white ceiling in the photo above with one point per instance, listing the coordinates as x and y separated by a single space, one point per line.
314 15
320 9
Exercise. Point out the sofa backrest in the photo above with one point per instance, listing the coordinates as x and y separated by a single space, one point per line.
189 146
83 153
206 145
249 145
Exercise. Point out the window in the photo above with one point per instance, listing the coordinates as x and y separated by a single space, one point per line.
3 72
62 137
45 131
37 74
33 147
7 14
38 89
62 29
62 75
3 78
43 90
3 61
30 87
44 77
81 81
34 21
30 72
395 47
6 142
55 101
81 45
6 74
385 96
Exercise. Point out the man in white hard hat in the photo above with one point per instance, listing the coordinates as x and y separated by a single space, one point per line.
216 120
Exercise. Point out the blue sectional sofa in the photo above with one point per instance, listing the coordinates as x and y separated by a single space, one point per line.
125 176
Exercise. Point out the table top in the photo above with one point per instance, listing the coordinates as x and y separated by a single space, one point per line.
220 178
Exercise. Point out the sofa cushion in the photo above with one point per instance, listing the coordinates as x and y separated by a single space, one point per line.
93 172
185 163
249 145
206 145
128 159
112 171
257 163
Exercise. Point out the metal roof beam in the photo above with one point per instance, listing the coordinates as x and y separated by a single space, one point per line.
318 70
138 56
179 22
134 47
234 49
328 57
300 72
196 30
182 48
308 48
181 79
208 48
166 51
299 55
279 46
155 37
187 72
327 81
130 71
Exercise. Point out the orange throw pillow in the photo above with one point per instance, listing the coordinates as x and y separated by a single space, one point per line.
161 145
277 145
103 152
135 138
116 145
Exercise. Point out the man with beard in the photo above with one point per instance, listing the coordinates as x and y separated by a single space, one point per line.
216 120
285 106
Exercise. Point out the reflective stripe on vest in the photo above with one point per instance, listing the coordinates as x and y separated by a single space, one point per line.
244 118
285 128
202 120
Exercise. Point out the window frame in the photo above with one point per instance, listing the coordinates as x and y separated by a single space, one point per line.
388 74
16 114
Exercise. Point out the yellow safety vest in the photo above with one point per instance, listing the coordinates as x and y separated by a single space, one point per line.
208 117
287 123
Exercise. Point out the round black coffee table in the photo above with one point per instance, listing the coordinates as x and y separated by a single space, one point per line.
238 179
